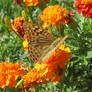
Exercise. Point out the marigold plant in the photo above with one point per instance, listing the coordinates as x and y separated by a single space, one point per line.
53 15
84 7
41 26
9 73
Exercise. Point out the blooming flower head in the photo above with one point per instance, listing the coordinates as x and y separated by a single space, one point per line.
33 2
18 26
33 78
52 69
54 14
84 7
9 72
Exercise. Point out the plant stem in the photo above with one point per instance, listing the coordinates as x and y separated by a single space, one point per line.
36 88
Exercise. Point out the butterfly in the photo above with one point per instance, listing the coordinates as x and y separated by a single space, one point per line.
41 43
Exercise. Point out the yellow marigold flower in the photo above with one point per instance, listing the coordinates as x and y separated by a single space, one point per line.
25 43
62 47
55 14
9 72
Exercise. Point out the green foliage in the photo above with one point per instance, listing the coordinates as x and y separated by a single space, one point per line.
79 71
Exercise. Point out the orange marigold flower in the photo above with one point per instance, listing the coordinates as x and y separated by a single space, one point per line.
33 2
9 72
55 14
55 64
84 7
33 78
52 69
18 26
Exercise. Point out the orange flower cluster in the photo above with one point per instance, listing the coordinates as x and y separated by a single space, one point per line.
9 72
52 69
18 26
33 2
55 14
84 7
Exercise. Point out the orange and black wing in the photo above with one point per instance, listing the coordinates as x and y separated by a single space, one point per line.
38 40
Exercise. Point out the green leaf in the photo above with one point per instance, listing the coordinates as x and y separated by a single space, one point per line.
89 54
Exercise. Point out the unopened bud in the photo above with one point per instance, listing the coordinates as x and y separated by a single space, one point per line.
7 22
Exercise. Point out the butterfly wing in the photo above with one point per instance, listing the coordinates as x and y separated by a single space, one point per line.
52 48
38 40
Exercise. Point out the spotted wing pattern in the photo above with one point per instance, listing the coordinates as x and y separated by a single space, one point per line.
38 40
